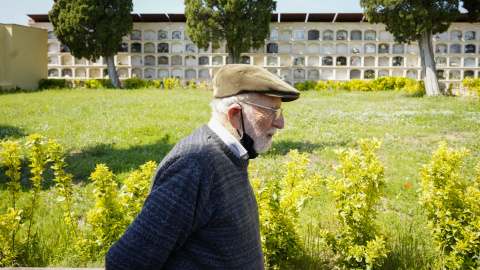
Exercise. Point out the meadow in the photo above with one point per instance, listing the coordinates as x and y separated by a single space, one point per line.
126 128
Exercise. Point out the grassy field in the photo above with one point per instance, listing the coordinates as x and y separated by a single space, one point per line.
124 129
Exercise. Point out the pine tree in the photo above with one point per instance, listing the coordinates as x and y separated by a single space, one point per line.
93 28
414 20
243 24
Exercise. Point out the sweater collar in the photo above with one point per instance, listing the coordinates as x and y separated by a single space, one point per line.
231 155
228 138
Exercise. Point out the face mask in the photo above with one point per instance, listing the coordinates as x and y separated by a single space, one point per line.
247 141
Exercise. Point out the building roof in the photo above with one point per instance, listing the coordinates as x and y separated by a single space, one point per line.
275 17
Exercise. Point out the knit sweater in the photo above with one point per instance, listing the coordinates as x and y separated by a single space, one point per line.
201 213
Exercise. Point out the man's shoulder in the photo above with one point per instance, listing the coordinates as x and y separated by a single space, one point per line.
196 142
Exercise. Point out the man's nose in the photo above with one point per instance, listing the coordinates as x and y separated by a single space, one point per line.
279 123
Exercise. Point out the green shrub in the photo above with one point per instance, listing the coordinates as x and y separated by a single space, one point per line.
171 83
473 86
154 84
382 83
106 221
135 189
280 202
12 221
359 85
414 87
135 83
98 83
357 194
52 83
321 85
452 208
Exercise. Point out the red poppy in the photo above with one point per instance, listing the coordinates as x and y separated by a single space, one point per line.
407 185
331 165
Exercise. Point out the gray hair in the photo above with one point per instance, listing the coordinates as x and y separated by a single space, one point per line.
220 105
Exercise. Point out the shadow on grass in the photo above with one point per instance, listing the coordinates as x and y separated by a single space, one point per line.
284 146
83 162
11 133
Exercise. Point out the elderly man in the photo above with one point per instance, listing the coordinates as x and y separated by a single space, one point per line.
201 212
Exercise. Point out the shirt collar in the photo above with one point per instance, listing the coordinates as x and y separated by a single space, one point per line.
228 138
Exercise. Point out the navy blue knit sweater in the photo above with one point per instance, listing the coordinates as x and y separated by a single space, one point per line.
201 213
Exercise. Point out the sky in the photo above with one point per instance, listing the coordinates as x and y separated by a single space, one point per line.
15 11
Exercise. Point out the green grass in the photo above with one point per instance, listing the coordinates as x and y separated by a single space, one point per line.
126 128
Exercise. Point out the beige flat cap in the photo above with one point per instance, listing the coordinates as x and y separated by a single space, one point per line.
236 79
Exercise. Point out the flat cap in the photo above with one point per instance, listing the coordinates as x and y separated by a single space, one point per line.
236 79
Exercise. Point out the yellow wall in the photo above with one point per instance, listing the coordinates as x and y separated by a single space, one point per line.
23 56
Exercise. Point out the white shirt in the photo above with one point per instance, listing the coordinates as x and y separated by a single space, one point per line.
228 138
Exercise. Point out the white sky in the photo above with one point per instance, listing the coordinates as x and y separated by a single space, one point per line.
15 11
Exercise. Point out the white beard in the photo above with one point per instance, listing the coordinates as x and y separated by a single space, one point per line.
262 142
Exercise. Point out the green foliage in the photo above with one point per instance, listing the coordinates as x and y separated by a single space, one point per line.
279 205
452 207
408 20
63 184
51 83
37 144
192 84
473 86
383 83
242 24
360 85
106 221
357 194
171 83
154 84
413 20
306 85
135 83
98 83
17 89
135 190
114 209
10 223
93 28
15 218
11 160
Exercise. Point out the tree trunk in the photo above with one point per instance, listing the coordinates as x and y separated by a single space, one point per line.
112 72
429 72
233 56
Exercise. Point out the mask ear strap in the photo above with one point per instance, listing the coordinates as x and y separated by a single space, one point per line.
243 126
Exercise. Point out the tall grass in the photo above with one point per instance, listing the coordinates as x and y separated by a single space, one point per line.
126 128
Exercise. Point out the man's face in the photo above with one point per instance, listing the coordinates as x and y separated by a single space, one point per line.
260 123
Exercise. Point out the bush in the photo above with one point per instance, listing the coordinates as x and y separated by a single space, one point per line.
304 86
171 83
359 85
98 83
279 203
114 209
52 83
473 86
321 85
382 83
357 194
452 208
135 83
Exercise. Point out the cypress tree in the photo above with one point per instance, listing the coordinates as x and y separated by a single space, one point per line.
414 20
93 28
243 24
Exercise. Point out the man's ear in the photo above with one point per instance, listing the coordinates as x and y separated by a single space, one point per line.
234 115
